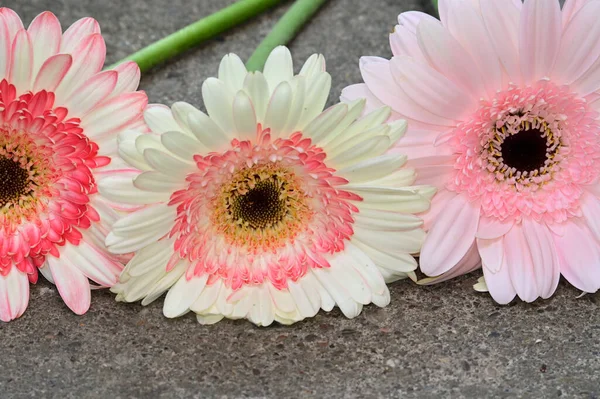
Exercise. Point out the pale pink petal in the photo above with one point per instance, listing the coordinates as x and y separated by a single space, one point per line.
518 260
419 144
465 24
93 91
88 59
404 42
539 38
22 58
14 294
73 286
430 89
446 55
590 206
588 83
546 268
433 170
378 77
439 204
11 20
492 253
45 33
411 19
450 237
579 256
52 72
570 9
469 263
114 114
129 78
500 285
77 32
490 228
502 23
580 46
93 263
5 50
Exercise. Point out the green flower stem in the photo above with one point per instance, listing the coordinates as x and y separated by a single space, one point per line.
198 32
284 31
435 4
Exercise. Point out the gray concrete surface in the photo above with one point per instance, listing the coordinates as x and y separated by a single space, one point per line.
443 341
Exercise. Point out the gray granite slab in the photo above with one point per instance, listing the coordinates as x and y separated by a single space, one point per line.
443 341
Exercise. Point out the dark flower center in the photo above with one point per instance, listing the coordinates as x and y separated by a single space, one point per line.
262 206
14 181
525 151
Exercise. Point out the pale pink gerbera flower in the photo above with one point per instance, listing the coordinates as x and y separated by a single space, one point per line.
58 119
267 208
502 102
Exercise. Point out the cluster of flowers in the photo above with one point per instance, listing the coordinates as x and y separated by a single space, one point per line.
476 145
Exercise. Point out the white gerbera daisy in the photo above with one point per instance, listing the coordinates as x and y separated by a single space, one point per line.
267 208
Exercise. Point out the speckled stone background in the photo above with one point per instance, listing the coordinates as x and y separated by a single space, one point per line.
443 341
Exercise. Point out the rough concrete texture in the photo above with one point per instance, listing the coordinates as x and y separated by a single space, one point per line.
443 341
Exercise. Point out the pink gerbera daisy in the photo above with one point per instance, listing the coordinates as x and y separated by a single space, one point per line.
58 119
266 208
502 103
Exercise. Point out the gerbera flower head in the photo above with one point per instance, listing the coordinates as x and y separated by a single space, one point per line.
58 117
266 208
502 103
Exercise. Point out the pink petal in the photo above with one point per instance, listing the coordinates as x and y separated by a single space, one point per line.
546 268
114 114
404 42
570 9
500 285
11 20
129 78
502 23
22 59
45 33
450 237
445 54
77 32
420 144
52 72
492 253
5 50
518 260
590 206
579 257
73 286
469 263
93 263
433 170
430 89
378 77
88 59
438 205
411 19
465 24
92 92
580 46
540 35
490 228
14 294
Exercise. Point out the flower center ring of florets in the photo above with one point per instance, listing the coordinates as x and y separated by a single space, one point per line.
263 209
528 151
522 149
261 206
26 170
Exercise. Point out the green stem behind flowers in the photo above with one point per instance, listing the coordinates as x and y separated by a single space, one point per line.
284 31
198 32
